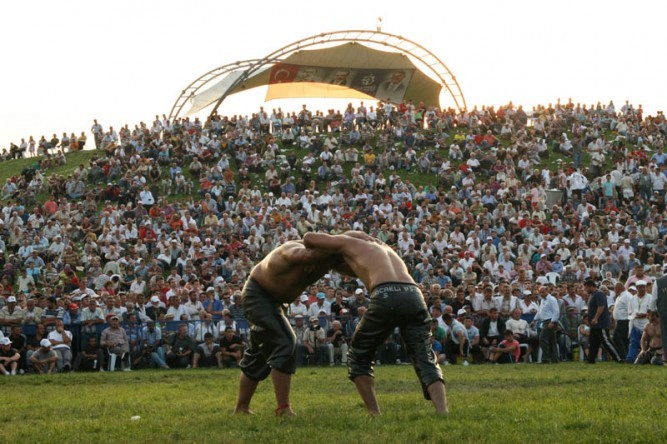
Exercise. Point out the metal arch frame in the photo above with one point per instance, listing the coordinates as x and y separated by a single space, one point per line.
409 47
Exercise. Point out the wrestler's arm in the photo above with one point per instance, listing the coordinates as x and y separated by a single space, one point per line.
324 242
301 255
345 269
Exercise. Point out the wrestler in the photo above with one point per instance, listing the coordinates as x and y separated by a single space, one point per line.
395 301
277 280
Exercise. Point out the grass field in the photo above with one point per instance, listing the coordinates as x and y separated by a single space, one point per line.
522 403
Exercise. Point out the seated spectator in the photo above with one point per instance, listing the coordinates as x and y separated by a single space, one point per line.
314 341
152 345
181 348
61 341
490 330
522 332
9 357
91 358
507 351
207 354
44 360
338 343
456 343
231 348
115 339
651 343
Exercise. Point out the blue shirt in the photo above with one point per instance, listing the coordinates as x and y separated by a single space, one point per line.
598 299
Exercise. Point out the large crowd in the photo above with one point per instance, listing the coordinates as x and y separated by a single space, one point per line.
138 258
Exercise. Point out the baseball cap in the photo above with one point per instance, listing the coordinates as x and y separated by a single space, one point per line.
45 343
6 341
298 317
73 307
314 319
11 299
461 312
155 299
210 289
327 276
640 282
304 298
358 291
320 295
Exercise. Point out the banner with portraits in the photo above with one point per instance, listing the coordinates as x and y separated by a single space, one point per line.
318 81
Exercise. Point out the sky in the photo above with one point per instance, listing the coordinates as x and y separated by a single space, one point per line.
68 62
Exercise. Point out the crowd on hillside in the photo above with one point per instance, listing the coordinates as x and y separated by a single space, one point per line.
142 253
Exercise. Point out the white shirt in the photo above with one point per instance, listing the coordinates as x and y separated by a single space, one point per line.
639 306
314 309
54 335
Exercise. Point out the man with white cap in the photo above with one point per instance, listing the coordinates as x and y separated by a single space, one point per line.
638 315
9 357
44 360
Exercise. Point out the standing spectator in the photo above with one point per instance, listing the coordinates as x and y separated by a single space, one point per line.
659 304
620 314
598 316
639 307
547 318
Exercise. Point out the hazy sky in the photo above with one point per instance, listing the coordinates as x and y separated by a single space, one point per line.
67 62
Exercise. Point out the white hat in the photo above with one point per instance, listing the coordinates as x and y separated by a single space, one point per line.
45 343
327 276
155 299
210 289
640 282
632 288
11 299
358 291
6 341
304 298
527 292
461 312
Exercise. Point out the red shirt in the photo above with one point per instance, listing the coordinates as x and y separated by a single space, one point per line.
516 353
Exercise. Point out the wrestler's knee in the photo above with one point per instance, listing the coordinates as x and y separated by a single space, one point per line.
359 362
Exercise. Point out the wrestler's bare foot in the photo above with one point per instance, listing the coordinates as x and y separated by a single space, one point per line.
284 412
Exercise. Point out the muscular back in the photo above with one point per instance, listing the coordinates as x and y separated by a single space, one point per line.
289 269
371 260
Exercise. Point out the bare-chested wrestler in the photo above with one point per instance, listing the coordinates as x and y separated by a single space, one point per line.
277 280
651 342
395 301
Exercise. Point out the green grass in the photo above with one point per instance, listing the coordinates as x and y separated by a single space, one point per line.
523 403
